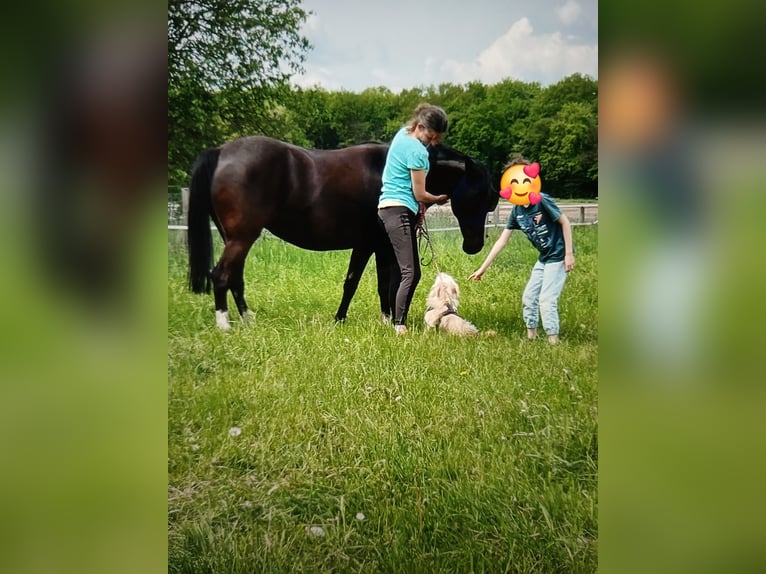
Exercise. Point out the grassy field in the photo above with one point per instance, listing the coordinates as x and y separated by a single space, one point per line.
299 445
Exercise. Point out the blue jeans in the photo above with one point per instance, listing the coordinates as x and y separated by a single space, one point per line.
541 296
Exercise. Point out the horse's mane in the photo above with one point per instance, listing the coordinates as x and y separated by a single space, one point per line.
449 156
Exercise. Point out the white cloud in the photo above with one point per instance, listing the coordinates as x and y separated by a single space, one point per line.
382 76
520 54
312 26
569 12
316 76
468 47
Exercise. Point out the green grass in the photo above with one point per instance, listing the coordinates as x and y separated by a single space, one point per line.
475 455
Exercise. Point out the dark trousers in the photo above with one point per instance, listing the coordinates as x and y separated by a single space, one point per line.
401 227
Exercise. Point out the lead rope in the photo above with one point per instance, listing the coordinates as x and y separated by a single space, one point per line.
424 237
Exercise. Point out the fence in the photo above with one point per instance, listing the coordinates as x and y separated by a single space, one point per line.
440 217
178 207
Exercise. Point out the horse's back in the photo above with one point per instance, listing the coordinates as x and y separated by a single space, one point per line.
315 199
321 171
245 153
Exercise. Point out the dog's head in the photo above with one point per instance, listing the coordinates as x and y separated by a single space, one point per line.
445 291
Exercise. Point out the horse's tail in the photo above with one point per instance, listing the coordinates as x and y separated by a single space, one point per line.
199 238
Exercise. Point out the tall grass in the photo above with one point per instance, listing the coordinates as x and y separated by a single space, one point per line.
299 445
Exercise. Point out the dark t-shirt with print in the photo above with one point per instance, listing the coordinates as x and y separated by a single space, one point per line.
539 224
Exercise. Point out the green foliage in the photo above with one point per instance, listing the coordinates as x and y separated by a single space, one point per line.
569 157
362 117
314 117
494 122
228 62
235 44
574 88
462 455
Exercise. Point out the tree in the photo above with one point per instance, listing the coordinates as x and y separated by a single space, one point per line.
235 44
311 111
491 121
573 88
228 60
569 158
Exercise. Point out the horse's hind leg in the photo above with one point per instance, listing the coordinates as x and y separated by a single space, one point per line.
359 258
229 275
220 293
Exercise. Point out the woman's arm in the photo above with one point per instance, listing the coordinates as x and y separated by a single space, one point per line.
419 188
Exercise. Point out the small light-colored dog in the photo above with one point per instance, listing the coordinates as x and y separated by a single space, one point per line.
441 308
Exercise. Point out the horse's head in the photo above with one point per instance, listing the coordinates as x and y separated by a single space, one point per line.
468 184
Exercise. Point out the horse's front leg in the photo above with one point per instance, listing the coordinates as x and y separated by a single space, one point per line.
359 258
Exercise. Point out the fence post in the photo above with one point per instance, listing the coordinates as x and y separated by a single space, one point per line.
185 205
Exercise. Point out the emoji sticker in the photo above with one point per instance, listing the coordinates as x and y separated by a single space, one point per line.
520 184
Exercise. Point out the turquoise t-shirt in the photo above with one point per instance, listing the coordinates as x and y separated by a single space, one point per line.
404 154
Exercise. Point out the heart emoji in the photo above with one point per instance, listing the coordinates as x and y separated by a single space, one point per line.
532 170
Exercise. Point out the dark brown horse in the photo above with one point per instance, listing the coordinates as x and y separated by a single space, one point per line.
316 199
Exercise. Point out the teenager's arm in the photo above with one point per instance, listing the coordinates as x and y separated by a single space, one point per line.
496 248
566 229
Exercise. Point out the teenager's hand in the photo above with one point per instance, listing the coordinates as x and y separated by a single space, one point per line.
569 262
476 276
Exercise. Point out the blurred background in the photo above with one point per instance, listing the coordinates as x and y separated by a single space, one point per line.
682 142
83 407
82 345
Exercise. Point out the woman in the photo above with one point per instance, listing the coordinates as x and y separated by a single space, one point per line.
404 189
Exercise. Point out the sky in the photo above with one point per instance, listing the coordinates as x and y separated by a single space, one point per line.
402 44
